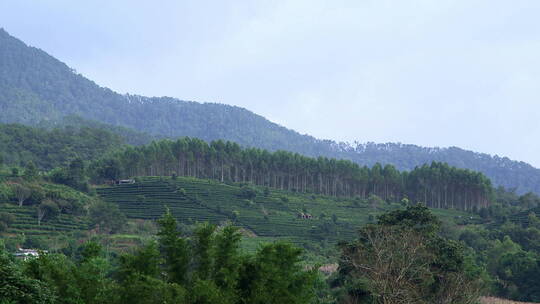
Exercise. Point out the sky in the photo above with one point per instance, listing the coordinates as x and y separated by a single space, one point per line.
432 73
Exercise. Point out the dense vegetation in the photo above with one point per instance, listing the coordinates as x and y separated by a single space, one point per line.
205 267
129 136
501 170
508 245
37 89
437 185
205 264
496 252
49 149
380 267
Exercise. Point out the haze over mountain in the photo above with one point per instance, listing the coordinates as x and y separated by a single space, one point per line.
37 89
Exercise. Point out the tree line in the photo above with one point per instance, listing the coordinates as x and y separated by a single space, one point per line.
436 185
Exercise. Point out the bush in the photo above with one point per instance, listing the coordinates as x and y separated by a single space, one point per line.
36 242
5 192
15 172
374 201
3 226
37 195
7 218
247 193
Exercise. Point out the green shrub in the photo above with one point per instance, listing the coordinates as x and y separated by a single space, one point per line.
248 193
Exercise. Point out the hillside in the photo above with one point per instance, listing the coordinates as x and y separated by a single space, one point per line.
37 89
63 208
48 149
271 214
436 185
265 214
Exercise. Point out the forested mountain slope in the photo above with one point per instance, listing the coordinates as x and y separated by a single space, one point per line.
35 87
48 149
501 170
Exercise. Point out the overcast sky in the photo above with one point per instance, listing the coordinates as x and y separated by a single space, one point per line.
433 73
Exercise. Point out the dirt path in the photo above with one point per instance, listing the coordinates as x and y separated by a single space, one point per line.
492 300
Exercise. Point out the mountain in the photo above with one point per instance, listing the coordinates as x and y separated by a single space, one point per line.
37 89
48 149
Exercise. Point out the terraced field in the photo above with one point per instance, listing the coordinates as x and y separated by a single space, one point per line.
522 218
271 216
26 222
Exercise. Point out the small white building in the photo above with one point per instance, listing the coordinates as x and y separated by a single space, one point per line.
125 181
26 254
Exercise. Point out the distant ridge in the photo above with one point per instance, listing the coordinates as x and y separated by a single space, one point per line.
37 89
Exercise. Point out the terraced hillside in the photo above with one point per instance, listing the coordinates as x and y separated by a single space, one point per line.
26 222
522 218
264 213
70 216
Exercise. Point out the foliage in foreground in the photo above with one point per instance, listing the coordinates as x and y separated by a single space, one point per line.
402 259
204 268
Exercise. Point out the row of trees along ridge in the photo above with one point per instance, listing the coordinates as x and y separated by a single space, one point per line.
436 185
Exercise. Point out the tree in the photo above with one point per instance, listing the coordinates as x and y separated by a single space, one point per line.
174 249
30 171
334 218
6 219
58 272
274 276
74 175
402 259
139 281
90 250
22 193
227 258
15 287
47 209
437 185
204 238
417 217
15 172
520 271
107 217
110 169
391 262
93 281
248 192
